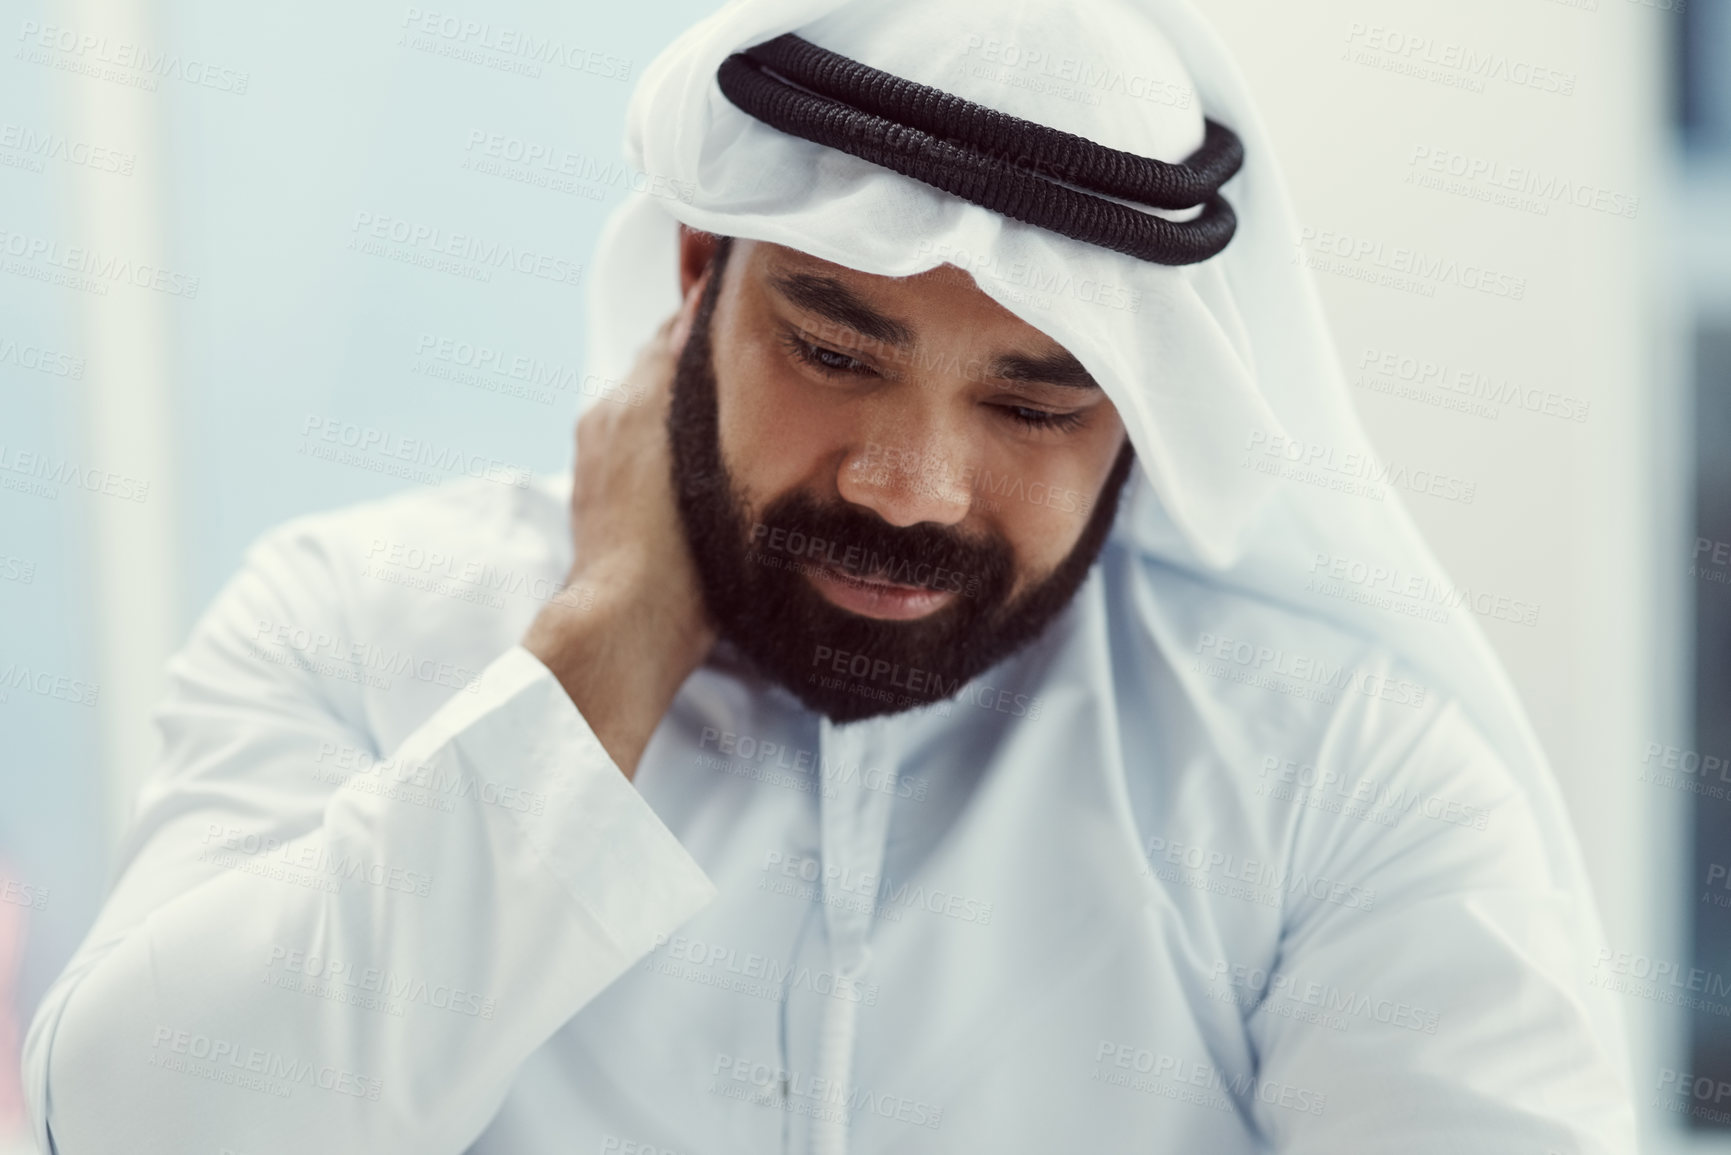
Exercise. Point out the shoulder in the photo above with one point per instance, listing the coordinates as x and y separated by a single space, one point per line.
393 600
1332 747
1279 671
412 559
472 517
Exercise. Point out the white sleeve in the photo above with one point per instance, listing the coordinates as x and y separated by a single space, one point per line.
1430 993
297 961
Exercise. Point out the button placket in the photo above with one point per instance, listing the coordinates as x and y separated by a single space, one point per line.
854 825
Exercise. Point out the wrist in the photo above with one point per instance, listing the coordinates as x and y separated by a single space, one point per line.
660 616
621 656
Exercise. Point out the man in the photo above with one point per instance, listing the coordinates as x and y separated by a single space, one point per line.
933 744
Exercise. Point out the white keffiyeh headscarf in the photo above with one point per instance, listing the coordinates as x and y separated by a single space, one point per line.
1201 361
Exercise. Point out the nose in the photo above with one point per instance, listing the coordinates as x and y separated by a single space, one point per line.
907 482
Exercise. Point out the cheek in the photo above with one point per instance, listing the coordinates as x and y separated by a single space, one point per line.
1042 509
1041 520
774 437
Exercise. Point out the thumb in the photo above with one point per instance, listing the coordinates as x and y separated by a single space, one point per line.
686 317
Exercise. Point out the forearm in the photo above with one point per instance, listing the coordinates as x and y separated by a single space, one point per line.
622 660
449 944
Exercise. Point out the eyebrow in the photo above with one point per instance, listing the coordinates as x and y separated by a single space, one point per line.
834 301
1060 368
829 298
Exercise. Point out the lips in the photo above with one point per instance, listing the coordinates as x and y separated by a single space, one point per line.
875 598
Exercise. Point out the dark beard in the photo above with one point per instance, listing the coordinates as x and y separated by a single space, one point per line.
840 664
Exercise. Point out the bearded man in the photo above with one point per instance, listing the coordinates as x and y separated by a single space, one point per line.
943 737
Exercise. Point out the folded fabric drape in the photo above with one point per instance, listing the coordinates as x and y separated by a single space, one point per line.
1031 173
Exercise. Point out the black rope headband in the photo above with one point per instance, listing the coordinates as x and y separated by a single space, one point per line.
1038 175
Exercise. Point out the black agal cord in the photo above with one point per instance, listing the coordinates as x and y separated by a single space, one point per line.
1050 179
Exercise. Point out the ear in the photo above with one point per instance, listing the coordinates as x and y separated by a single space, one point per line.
696 250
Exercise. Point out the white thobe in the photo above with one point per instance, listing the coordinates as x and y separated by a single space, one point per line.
1189 874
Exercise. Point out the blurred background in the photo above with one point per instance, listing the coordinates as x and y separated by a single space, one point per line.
223 227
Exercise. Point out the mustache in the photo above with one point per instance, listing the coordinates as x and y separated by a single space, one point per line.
862 546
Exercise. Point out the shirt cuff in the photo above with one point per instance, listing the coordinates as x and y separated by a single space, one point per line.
584 819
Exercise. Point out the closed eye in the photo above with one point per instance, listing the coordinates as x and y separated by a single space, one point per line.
831 362
1042 418
834 363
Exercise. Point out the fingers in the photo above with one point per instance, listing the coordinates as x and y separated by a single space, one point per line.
687 313
655 366
679 328
664 332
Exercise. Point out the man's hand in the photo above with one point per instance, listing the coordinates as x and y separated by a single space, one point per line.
623 659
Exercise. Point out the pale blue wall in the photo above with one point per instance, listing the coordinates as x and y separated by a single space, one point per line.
261 189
